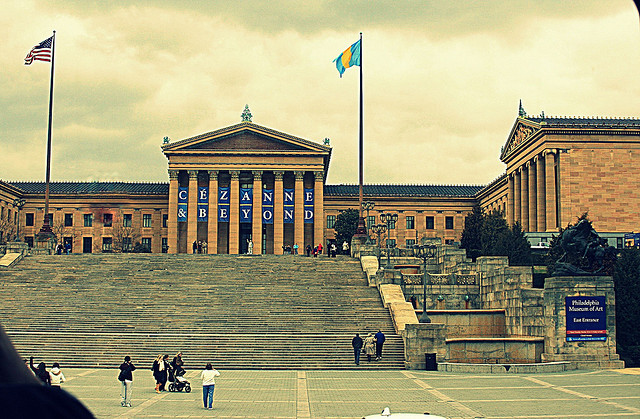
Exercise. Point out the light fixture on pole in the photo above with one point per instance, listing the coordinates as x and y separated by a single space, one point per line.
389 219
424 252
378 230
18 203
367 206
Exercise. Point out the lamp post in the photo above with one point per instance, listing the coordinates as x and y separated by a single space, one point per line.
424 252
378 230
388 218
367 206
18 203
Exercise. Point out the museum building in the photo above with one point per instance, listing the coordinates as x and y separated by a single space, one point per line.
247 183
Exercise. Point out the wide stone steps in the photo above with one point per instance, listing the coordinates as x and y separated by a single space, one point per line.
236 311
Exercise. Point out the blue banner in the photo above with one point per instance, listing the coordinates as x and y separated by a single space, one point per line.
203 203
308 206
267 206
246 205
289 205
223 204
183 200
586 318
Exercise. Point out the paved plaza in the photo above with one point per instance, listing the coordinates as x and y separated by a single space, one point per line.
353 394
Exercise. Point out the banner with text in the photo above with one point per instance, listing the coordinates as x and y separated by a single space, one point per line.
183 202
289 205
203 203
223 204
586 318
308 206
267 206
246 205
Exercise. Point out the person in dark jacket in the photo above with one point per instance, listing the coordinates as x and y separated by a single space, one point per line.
126 378
41 372
160 372
356 342
379 342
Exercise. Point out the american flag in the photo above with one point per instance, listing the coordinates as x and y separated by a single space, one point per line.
41 52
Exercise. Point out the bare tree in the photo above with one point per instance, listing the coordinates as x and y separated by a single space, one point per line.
7 231
123 238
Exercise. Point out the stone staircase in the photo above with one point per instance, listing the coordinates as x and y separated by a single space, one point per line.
244 312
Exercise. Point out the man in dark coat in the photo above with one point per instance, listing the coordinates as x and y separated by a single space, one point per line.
356 342
379 341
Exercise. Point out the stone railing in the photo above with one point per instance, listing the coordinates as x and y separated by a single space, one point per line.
441 279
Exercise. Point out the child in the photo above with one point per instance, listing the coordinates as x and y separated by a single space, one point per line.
57 377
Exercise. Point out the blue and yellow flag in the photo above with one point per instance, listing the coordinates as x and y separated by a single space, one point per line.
349 58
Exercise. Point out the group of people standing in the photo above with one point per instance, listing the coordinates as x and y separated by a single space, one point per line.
199 247
372 344
164 370
66 248
53 378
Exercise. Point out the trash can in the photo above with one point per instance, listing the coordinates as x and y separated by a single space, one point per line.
430 363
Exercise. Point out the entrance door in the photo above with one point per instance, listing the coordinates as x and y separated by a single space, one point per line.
245 235
87 245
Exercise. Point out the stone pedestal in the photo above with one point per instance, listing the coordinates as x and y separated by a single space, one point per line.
584 354
423 338
17 247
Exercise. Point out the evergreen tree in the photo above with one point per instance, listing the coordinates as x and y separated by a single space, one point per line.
518 247
626 277
346 225
471 239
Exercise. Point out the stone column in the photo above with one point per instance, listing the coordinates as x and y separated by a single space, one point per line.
256 224
510 213
524 197
278 213
172 219
234 213
533 217
516 197
540 194
318 210
550 191
212 230
192 211
298 229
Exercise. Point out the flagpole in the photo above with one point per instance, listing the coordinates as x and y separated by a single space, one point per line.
46 227
361 230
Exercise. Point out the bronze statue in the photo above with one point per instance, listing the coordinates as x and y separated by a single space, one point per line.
585 252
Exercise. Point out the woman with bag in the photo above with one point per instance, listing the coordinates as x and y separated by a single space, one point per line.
160 368
126 378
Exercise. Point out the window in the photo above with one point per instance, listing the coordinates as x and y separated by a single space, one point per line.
165 245
29 219
108 220
430 223
410 222
146 243
29 241
106 244
331 221
68 220
391 224
391 242
88 220
448 223
126 220
146 220
165 218
371 220
411 242
126 244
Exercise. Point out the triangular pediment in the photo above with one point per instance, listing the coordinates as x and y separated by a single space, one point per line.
522 131
244 137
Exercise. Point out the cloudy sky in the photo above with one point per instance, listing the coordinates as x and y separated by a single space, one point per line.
442 80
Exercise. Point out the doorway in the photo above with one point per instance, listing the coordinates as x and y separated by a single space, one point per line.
245 236
87 245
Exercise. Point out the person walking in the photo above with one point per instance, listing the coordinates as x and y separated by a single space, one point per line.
356 342
369 346
41 372
208 376
295 249
379 337
126 378
57 377
195 247
177 363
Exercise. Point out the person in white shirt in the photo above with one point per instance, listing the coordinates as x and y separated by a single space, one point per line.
57 377
208 376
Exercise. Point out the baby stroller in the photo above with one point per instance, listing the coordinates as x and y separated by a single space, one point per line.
178 382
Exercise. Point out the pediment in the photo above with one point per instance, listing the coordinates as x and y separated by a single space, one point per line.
245 137
521 133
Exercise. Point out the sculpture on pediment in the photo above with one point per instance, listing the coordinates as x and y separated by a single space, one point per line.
246 114
522 133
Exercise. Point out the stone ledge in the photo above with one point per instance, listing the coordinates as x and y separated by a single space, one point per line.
10 259
547 367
